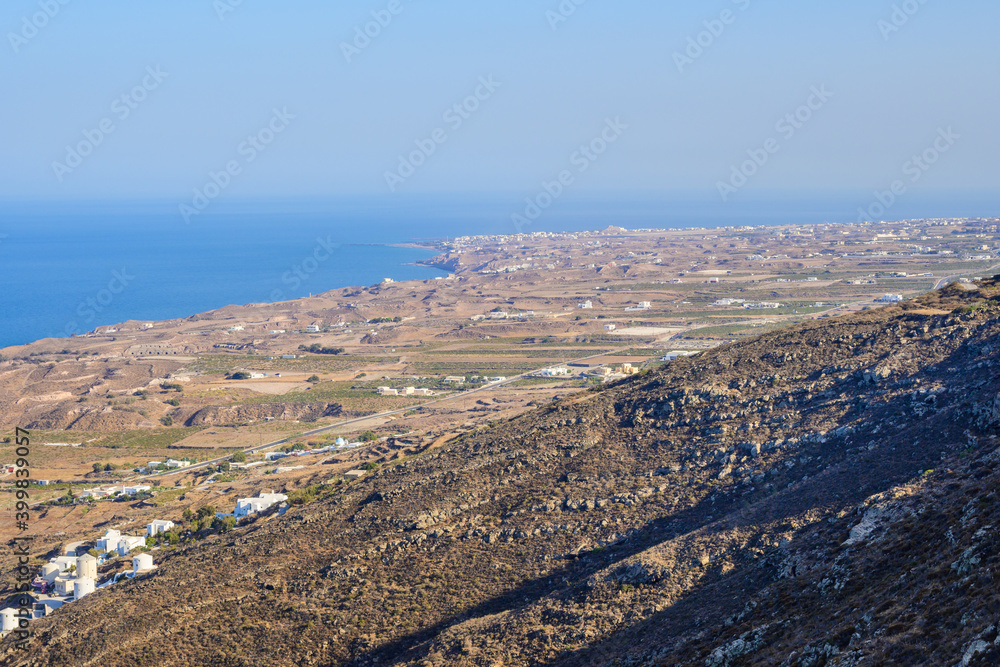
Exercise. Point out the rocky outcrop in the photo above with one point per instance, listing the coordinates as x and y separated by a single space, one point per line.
254 412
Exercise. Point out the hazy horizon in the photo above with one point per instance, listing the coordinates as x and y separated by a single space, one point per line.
297 102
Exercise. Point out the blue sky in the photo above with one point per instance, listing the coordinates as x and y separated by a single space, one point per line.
554 87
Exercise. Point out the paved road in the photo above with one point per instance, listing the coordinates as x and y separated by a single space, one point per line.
941 283
348 422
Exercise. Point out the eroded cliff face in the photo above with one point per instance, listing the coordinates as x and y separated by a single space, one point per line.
823 495
243 414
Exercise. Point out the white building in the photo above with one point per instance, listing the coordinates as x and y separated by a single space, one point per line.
87 566
64 585
158 526
8 621
555 372
129 543
455 379
142 563
83 586
388 391
586 305
889 298
173 463
114 541
109 542
673 355
312 328
610 327
50 571
138 488
247 506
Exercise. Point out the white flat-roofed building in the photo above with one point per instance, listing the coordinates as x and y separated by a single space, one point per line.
158 526
129 543
64 585
676 354
247 506
109 542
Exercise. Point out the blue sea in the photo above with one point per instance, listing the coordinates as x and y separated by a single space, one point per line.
70 267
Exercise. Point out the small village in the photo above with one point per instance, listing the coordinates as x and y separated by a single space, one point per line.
77 572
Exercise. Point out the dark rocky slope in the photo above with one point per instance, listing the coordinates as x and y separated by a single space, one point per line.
824 495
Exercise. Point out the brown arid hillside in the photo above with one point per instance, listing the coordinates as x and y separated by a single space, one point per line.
822 495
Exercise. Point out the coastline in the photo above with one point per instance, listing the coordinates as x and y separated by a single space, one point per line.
78 297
